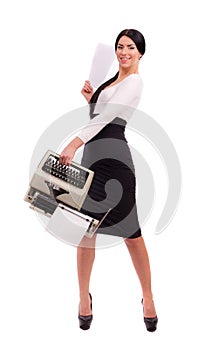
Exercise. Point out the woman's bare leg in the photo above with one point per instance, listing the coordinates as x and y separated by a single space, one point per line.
140 259
85 259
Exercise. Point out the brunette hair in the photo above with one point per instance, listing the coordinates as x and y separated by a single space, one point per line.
139 41
135 36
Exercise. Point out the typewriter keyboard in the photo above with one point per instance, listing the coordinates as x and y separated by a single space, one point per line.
71 173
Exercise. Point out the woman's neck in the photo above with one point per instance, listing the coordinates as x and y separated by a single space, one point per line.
123 73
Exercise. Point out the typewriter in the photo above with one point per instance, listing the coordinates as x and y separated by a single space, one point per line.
55 186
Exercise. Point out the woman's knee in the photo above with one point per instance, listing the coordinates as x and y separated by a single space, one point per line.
130 242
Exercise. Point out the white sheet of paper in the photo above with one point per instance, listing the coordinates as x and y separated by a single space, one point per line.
67 227
102 61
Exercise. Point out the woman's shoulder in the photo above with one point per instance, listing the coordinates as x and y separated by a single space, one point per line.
132 82
134 76
132 79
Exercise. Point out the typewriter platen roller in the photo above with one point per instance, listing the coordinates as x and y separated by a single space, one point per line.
55 184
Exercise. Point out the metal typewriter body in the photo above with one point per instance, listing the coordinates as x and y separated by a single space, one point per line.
56 186
53 182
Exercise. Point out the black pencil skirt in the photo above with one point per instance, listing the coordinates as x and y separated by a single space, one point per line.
114 184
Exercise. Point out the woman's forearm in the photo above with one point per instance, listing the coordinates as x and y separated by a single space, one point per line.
68 153
76 142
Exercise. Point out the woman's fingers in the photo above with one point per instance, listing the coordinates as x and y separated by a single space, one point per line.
87 87
67 154
65 160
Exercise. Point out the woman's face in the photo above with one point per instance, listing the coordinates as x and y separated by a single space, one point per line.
127 53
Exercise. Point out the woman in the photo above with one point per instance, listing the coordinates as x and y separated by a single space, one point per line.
105 133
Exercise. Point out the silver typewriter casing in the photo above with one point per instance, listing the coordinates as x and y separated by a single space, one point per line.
73 197
49 195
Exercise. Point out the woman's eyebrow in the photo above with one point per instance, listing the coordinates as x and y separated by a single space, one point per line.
127 45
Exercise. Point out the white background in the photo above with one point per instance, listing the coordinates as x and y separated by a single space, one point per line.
46 51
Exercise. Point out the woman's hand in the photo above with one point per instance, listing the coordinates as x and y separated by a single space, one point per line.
68 153
87 90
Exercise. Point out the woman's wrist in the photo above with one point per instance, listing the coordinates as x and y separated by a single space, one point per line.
68 153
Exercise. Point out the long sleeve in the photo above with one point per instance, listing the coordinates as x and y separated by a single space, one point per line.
122 99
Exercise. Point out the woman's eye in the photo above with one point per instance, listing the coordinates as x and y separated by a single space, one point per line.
129 47
121 47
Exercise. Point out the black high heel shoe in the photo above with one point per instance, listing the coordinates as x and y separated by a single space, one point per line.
150 322
85 321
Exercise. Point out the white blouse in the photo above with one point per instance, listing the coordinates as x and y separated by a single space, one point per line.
118 100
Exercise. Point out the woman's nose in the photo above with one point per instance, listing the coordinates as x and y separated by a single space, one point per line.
124 50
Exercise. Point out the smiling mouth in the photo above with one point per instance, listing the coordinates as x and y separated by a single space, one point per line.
124 59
